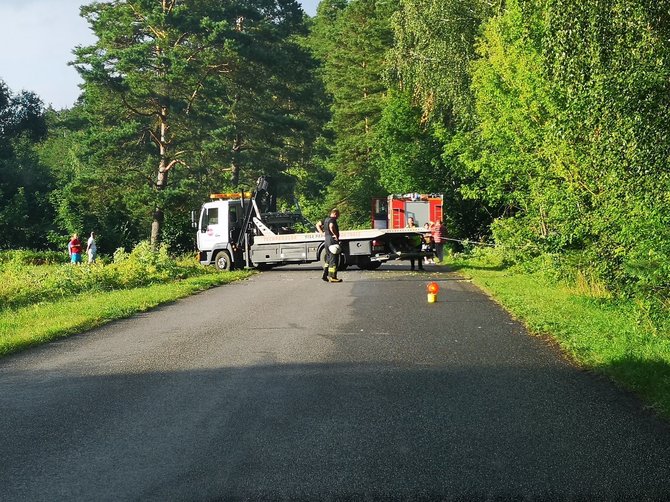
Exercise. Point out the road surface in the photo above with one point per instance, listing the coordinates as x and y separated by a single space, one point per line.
286 387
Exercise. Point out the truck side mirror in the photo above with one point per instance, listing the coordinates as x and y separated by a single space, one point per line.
194 222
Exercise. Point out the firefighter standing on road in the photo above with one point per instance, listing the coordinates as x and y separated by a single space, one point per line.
332 246
415 242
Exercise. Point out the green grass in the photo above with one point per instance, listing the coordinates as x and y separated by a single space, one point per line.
597 333
42 322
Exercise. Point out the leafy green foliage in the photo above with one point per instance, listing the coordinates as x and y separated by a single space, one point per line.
608 60
27 278
430 63
409 155
514 107
22 257
554 115
95 188
25 214
572 101
410 158
434 46
45 321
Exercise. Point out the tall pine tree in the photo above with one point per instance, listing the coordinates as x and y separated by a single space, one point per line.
352 42
193 85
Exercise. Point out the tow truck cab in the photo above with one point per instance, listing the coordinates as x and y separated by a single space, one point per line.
231 229
219 228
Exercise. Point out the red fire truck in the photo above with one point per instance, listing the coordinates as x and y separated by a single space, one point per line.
393 211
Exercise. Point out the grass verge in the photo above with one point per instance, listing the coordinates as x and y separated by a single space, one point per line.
42 322
598 334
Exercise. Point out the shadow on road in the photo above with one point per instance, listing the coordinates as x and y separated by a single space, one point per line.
326 431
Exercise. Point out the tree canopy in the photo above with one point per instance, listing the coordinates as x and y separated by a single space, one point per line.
25 184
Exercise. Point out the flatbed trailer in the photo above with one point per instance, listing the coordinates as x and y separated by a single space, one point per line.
367 249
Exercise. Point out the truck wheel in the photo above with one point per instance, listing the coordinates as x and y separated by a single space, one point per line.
222 261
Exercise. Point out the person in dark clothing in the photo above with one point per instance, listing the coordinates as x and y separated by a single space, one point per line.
332 238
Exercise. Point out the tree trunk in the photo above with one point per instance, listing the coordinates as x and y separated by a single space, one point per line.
159 214
156 227
235 167
161 181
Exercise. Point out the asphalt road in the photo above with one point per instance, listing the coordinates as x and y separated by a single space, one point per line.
286 387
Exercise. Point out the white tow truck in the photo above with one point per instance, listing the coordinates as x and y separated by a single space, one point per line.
243 230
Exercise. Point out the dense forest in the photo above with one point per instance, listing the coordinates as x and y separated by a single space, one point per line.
545 123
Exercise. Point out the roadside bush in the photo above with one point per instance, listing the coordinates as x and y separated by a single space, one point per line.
24 283
28 257
583 277
515 240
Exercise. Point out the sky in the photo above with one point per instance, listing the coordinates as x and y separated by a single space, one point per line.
36 42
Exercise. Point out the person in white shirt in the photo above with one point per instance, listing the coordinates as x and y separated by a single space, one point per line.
91 248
